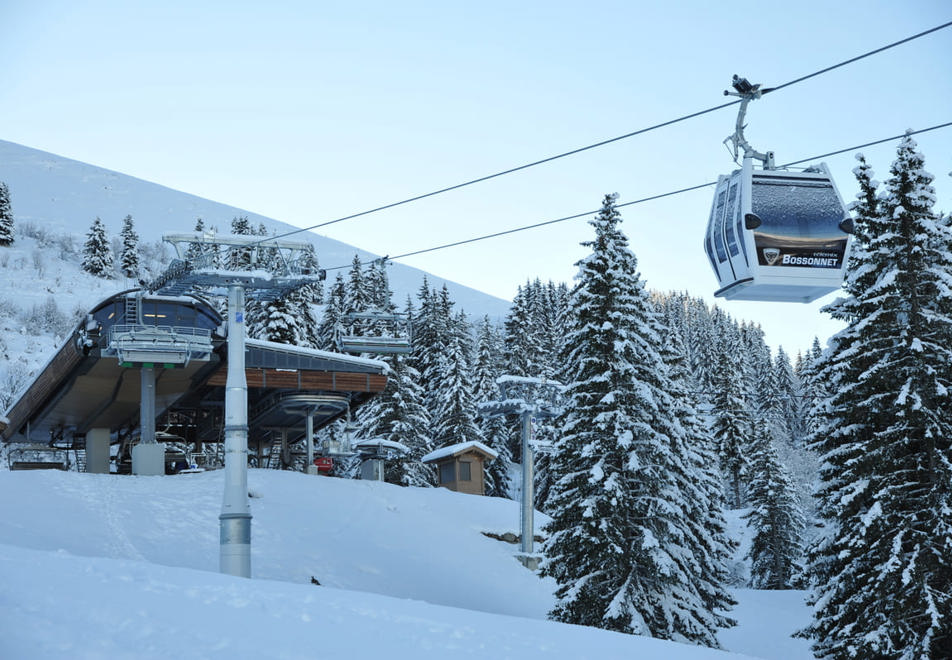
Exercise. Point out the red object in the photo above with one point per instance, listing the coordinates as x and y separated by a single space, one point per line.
324 464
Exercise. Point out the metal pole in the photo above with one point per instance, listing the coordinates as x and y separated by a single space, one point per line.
527 485
235 518
309 432
147 406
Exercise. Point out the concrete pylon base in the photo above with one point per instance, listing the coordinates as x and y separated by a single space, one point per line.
97 451
148 459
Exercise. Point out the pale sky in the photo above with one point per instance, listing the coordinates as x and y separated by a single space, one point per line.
308 111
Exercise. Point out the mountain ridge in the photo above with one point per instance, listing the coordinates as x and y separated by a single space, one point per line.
66 195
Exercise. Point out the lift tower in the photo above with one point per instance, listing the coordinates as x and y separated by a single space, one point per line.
529 398
241 266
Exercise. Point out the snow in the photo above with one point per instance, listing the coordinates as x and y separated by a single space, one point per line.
313 352
110 566
767 619
452 450
381 443
527 380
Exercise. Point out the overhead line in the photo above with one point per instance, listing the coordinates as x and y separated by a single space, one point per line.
510 170
869 144
859 57
637 201
609 140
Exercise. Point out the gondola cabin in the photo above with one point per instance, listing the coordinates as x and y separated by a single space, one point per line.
777 235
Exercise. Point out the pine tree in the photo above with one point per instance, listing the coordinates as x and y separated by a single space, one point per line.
129 254
305 301
731 425
698 482
398 415
194 249
812 390
617 539
487 369
882 573
278 320
454 420
775 517
239 258
331 326
788 392
6 217
97 256
357 296
522 335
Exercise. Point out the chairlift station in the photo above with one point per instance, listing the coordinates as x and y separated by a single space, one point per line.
89 396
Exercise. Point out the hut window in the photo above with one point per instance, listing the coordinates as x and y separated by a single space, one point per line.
447 473
465 472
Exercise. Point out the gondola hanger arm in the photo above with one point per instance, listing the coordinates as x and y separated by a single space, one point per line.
747 93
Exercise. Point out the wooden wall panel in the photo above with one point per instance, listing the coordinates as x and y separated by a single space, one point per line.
334 381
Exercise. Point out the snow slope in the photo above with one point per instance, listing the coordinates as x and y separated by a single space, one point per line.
65 196
108 566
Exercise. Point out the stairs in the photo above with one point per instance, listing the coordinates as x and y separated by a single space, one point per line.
79 455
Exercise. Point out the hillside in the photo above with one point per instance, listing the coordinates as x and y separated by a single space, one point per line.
64 196
126 567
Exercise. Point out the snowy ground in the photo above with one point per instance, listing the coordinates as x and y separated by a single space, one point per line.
107 566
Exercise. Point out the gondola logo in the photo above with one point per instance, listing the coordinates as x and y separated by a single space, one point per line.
771 255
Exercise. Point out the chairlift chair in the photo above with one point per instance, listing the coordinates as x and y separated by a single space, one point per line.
396 339
775 235
343 446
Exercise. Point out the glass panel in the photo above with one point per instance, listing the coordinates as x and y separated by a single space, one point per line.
731 201
800 222
447 472
204 319
465 472
719 226
710 251
738 220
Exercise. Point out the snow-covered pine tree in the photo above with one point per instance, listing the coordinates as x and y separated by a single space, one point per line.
731 427
331 325
812 390
399 415
427 339
240 258
487 369
278 320
521 334
882 573
357 296
129 254
775 517
6 217
788 392
97 255
194 249
454 420
304 302
698 481
616 545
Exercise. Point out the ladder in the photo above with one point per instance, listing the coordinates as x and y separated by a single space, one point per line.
132 310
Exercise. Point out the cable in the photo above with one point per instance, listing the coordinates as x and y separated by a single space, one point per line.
859 57
509 171
632 203
608 141
868 144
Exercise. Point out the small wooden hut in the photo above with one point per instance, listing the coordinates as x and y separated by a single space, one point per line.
461 466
